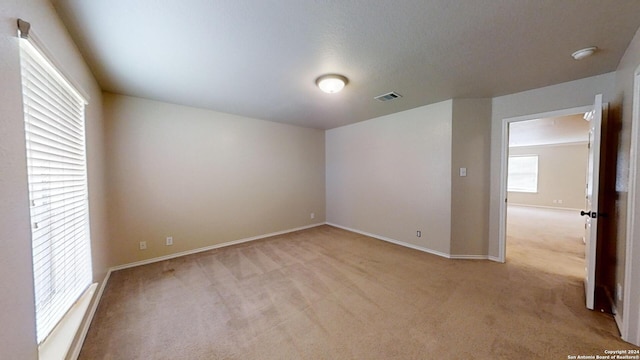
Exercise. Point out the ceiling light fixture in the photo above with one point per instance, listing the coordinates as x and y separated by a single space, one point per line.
583 53
331 83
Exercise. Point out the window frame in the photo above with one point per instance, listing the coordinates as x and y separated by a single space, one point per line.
55 141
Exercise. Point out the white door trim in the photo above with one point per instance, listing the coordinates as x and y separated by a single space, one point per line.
631 299
504 141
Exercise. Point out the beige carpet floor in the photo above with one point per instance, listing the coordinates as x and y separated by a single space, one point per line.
325 293
549 240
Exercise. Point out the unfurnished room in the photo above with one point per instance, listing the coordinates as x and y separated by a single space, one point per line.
319 180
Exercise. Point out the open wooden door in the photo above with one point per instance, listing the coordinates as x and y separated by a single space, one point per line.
591 205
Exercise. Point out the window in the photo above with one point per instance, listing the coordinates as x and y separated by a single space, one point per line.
57 177
523 173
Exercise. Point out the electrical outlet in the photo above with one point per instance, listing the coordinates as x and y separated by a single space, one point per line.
143 245
419 233
312 215
169 240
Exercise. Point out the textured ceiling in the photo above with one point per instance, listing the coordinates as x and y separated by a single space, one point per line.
261 58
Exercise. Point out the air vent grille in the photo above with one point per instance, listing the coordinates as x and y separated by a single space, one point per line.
388 96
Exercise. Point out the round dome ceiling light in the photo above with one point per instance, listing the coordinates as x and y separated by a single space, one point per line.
331 83
583 53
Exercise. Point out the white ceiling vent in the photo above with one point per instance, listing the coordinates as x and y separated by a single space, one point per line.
388 96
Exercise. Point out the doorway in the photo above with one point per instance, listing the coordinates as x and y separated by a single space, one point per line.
546 181
595 112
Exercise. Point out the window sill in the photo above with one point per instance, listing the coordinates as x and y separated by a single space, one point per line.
58 343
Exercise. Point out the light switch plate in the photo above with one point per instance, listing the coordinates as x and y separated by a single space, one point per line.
463 171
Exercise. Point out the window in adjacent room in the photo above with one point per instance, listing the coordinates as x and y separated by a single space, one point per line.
523 173
57 177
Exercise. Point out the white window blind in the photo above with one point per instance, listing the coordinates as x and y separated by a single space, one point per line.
57 176
523 173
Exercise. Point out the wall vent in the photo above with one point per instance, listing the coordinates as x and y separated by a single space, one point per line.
388 96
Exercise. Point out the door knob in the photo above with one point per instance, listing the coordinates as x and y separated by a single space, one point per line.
589 214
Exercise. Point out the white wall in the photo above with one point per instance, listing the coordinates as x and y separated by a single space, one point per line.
205 177
391 176
551 98
17 318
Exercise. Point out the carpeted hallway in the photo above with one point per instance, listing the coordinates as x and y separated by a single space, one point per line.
325 293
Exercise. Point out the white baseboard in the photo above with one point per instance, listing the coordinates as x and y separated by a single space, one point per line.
393 241
75 351
207 248
543 207
416 247
495 258
618 320
469 257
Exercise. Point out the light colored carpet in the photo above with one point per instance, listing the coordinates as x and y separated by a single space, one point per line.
325 293
548 240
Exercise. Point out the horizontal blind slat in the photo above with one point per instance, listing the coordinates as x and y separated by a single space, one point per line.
59 222
51 106
47 217
37 72
38 114
48 138
63 187
38 162
48 153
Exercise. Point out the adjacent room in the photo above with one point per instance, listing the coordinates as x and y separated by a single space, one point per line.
547 180
312 180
